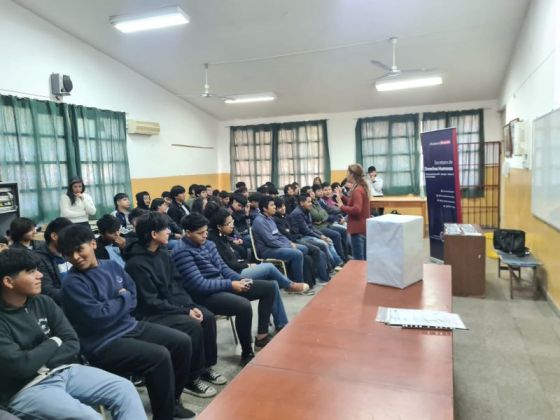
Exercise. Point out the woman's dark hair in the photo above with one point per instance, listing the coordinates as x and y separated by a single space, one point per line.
359 177
19 227
148 223
108 224
72 237
117 197
263 202
193 222
191 188
14 261
197 205
69 193
56 226
156 204
140 200
218 218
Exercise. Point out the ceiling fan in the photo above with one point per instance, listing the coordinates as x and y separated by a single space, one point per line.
206 93
396 79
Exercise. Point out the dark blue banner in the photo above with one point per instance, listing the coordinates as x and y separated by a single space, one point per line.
441 169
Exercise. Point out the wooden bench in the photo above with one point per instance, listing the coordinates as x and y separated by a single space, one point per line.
334 361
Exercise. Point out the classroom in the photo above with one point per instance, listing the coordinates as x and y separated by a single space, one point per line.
197 126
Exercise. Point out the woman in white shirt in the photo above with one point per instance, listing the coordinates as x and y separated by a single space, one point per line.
76 205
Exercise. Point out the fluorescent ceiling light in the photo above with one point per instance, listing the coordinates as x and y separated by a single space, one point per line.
158 18
244 99
400 82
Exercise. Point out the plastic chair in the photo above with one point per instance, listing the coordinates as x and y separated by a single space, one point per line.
281 265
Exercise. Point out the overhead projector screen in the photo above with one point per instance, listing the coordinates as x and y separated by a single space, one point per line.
545 200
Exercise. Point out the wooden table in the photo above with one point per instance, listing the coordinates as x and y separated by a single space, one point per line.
334 361
402 201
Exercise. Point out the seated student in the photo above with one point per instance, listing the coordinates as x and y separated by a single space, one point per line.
320 217
52 264
198 205
336 217
166 195
162 300
242 191
110 243
290 200
133 217
240 184
122 209
224 197
99 297
209 191
143 200
38 354
253 201
316 261
190 199
213 284
220 227
240 213
160 206
178 208
22 232
270 243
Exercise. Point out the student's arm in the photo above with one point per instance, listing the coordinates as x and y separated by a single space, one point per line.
229 258
226 272
191 277
88 204
357 202
79 298
262 231
18 363
61 328
48 286
148 293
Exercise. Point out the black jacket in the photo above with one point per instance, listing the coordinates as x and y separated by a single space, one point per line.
158 283
283 225
226 251
240 221
176 212
24 342
51 283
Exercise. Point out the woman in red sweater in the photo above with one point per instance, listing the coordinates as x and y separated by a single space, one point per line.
356 206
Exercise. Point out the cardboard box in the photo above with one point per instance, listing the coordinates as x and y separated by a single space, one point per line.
395 250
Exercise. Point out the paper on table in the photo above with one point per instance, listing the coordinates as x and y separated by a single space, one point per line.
419 318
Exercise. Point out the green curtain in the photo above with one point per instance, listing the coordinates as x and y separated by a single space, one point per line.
390 144
43 143
33 153
470 142
100 143
281 153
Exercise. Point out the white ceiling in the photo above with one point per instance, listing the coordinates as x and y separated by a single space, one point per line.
471 41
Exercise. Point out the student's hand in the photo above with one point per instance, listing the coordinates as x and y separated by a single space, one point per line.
324 238
339 202
177 236
4 247
196 313
238 241
79 195
120 241
294 246
238 286
122 291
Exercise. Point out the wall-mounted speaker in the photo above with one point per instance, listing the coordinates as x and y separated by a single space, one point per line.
61 84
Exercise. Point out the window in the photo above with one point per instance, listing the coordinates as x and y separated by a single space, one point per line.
470 143
251 155
103 159
43 143
391 145
33 153
281 153
302 153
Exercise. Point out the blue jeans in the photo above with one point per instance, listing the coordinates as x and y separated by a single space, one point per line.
338 237
267 271
327 248
70 393
358 246
320 263
293 257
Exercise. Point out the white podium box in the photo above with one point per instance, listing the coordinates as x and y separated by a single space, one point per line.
395 250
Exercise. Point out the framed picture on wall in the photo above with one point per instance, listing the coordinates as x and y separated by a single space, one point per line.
508 144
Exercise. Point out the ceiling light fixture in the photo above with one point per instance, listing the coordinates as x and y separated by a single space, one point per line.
244 99
401 82
154 19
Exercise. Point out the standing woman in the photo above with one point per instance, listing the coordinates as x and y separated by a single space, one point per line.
76 205
357 209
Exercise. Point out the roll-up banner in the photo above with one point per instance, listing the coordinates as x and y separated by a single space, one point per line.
441 169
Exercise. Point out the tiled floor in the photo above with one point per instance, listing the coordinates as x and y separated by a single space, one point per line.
506 366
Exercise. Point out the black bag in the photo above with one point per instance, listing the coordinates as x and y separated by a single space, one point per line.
511 241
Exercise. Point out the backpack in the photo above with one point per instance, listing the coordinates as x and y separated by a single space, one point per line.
511 241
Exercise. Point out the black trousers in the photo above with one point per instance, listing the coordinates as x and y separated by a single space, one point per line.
160 354
239 305
203 337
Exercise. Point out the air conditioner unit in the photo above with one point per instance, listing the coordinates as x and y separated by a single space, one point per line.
145 128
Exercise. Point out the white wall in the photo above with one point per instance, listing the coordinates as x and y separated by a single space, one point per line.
32 49
532 83
341 128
